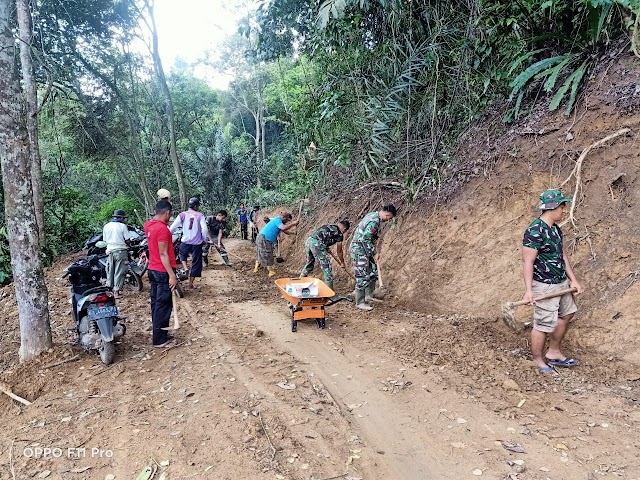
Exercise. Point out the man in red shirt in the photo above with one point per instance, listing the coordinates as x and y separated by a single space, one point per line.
161 273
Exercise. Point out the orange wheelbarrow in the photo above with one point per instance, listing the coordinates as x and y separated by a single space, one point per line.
307 297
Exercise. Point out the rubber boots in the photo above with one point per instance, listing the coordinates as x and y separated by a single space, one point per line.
272 271
360 301
225 259
369 295
256 268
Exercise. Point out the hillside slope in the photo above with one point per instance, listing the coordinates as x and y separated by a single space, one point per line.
461 253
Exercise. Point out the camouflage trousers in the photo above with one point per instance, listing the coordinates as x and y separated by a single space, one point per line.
364 268
317 252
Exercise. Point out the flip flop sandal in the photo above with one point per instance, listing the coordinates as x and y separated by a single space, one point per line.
567 362
546 370
168 344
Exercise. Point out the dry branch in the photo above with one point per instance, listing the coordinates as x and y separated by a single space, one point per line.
13 471
577 171
61 362
4 388
382 185
264 429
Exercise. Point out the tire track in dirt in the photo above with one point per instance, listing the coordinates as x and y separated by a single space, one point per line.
313 437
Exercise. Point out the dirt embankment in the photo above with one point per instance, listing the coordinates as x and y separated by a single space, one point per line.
462 253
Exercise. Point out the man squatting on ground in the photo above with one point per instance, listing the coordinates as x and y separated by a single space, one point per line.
547 270
317 248
364 251
268 237
194 234
162 277
217 226
116 235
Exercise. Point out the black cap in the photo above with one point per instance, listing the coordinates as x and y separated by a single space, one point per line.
194 202
119 214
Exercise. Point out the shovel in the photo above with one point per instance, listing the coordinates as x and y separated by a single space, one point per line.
176 321
381 291
509 308
343 266
279 258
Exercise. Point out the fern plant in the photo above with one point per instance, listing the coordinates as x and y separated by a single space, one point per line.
563 74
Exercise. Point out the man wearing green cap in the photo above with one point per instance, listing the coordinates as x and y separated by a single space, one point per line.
547 270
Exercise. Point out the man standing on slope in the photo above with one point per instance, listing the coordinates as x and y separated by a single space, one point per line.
317 248
243 221
162 278
547 270
116 234
194 234
364 251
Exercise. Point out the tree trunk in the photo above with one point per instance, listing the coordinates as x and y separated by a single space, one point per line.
31 95
162 80
22 228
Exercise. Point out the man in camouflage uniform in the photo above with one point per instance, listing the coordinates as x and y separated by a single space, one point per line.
546 269
364 255
317 247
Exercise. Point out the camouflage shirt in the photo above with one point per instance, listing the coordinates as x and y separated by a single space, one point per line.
327 235
366 234
549 266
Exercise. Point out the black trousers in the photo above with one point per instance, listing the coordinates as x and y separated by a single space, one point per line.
244 230
161 305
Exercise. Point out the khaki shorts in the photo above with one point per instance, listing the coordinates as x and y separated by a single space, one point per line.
546 312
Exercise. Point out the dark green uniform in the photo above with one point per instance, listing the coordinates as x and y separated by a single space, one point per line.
317 246
363 249
549 266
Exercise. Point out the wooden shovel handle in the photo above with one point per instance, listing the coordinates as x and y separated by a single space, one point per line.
547 296
176 322
338 261
379 274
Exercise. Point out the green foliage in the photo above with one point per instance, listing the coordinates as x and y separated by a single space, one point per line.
71 219
591 25
119 203
5 257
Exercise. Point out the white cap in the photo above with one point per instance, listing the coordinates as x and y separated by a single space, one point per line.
164 193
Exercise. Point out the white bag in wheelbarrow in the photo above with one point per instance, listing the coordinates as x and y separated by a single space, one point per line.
306 289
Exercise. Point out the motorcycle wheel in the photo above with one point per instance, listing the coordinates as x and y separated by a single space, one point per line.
133 281
179 291
143 263
107 352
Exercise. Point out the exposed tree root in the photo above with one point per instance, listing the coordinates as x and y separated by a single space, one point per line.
577 172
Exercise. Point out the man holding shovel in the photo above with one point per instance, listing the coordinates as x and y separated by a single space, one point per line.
364 255
217 225
547 270
268 238
318 246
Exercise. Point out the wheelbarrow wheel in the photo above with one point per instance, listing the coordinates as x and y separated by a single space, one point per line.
294 326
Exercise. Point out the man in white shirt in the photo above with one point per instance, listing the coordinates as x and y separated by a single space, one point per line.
116 234
194 234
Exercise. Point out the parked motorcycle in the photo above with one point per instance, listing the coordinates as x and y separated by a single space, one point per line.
143 246
133 278
137 250
94 309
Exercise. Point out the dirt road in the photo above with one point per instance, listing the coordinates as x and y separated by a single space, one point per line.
391 394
